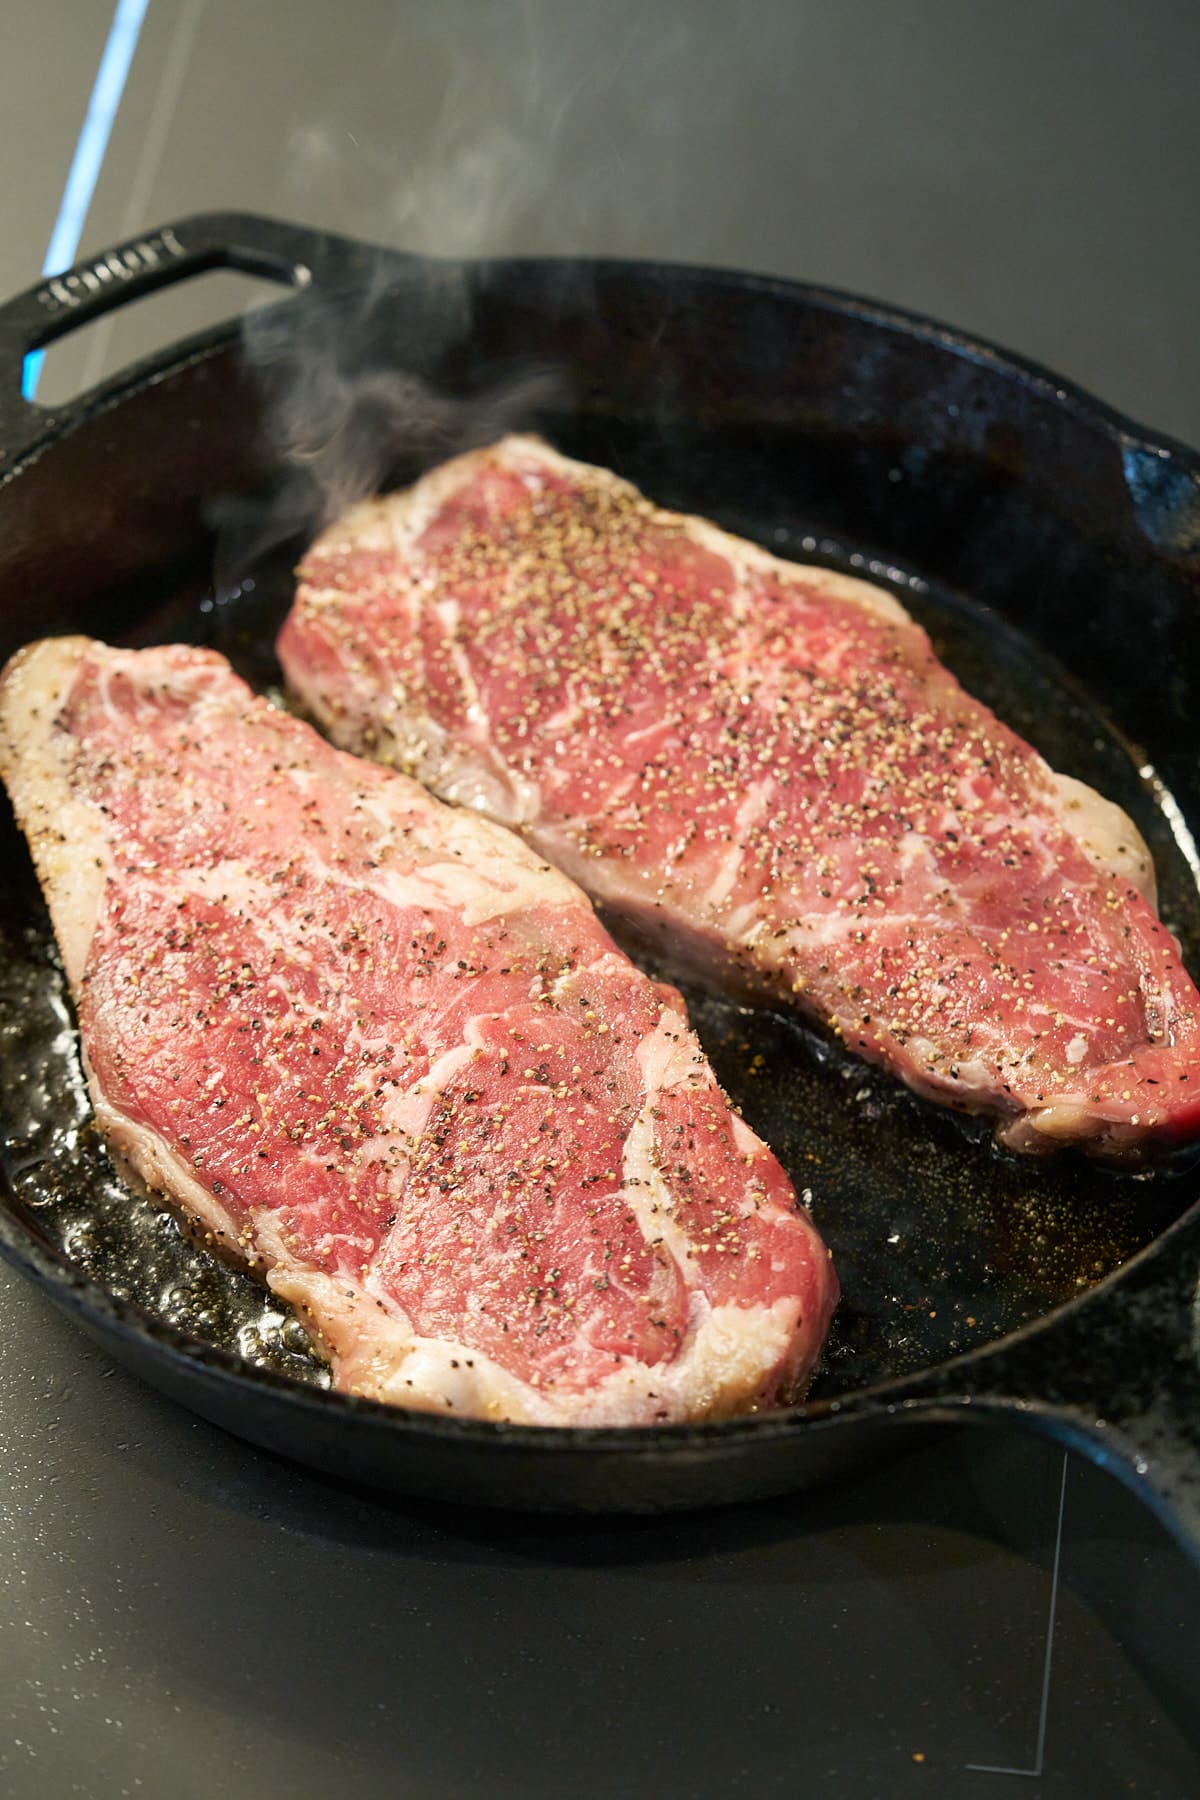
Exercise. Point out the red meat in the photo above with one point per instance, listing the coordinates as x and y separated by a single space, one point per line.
390 1059
764 767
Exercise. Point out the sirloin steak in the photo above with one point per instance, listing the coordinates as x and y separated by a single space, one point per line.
383 1054
764 767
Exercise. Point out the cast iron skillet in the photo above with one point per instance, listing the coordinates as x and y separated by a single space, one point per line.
1052 548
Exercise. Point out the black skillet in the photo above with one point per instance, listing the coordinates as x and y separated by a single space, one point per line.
1052 548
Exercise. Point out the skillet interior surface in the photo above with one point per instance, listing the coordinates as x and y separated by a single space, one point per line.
942 1242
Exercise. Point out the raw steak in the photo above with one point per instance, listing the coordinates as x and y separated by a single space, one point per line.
386 1056
765 767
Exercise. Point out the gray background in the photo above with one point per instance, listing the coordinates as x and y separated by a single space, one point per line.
1023 168
181 1615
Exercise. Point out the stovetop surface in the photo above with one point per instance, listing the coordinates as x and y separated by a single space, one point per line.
181 1614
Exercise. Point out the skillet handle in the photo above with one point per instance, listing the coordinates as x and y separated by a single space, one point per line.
1115 1375
290 254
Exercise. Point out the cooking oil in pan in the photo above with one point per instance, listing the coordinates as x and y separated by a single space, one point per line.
942 1241
61 1180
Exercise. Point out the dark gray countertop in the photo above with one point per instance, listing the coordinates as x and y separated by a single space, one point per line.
182 1615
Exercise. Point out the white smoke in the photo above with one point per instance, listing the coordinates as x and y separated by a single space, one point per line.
506 83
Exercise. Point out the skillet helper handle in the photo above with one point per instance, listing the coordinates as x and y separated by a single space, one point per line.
290 254
1116 1376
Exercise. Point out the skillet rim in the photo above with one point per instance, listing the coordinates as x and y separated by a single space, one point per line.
82 1295
339 280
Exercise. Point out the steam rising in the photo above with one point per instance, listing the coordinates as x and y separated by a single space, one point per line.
341 431
341 421
346 409
343 417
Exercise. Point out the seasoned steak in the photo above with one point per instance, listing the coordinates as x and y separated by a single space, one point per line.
381 1052
765 768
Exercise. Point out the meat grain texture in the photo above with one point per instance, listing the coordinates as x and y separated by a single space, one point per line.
382 1053
763 767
